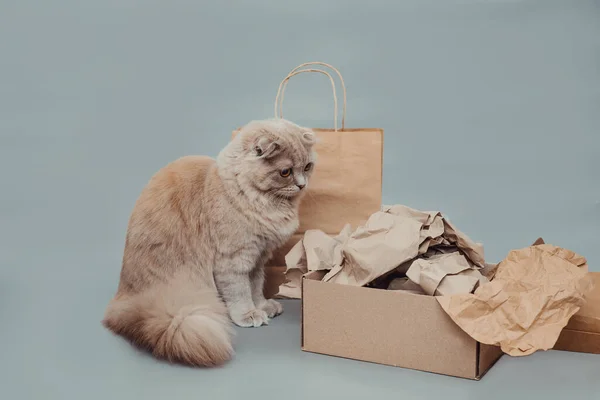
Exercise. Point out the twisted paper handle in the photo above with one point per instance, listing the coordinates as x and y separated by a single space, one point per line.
281 90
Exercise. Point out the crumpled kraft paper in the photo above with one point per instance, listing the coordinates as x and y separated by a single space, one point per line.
534 293
587 318
445 274
389 238
316 251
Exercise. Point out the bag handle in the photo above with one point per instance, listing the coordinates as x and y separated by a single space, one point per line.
341 81
280 92
282 86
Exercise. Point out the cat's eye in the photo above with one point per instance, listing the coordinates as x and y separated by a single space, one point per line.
308 167
285 172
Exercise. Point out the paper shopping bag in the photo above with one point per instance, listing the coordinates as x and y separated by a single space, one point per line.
346 184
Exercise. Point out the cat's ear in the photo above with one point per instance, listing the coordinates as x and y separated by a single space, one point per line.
266 147
308 138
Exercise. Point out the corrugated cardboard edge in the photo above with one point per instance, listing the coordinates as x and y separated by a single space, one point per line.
486 356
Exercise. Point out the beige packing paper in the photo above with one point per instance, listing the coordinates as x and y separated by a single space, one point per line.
394 236
389 239
445 274
587 318
534 293
315 251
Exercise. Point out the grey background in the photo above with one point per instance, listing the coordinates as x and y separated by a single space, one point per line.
491 115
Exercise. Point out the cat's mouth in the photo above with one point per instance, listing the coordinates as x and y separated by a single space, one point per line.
288 193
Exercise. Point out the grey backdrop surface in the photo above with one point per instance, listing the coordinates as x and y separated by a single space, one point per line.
491 111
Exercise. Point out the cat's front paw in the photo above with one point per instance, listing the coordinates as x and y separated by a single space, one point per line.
251 319
272 308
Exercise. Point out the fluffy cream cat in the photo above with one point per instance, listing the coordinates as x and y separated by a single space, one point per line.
198 238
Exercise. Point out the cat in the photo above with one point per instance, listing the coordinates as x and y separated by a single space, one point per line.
198 238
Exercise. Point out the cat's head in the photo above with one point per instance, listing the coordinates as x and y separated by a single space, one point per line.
274 157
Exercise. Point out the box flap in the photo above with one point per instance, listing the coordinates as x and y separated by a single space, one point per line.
488 355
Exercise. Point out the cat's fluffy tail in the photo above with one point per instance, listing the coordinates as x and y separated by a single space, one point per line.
179 324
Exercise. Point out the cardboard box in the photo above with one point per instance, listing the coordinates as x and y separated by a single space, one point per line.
582 333
388 327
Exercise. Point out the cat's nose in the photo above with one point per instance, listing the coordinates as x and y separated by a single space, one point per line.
300 186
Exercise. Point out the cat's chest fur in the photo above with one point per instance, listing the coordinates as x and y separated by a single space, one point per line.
236 231
275 232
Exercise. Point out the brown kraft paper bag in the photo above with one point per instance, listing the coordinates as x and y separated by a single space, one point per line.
347 180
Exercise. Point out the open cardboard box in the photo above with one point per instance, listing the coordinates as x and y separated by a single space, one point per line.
534 293
391 327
